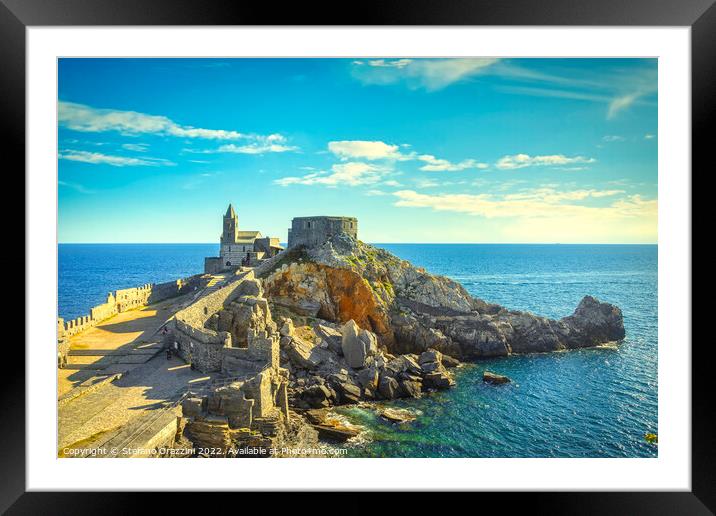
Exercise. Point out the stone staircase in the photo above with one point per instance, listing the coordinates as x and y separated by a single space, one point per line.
138 354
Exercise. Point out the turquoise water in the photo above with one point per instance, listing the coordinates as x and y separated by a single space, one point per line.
586 403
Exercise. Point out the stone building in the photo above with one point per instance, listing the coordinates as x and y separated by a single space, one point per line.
240 248
314 231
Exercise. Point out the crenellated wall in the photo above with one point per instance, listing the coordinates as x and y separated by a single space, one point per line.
131 298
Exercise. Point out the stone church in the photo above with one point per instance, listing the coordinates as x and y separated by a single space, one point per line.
240 248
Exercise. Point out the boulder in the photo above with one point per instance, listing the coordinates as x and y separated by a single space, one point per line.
335 433
388 387
404 363
318 396
368 378
410 388
496 379
396 415
438 380
348 392
449 361
430 355
331 337
357 344
302 353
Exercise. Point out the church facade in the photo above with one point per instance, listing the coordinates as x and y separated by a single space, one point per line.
240 248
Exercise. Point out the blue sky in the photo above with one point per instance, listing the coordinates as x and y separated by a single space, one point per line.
420 150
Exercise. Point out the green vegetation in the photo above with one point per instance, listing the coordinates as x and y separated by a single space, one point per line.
295 254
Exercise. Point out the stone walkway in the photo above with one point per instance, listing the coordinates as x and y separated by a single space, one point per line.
147 387
126 344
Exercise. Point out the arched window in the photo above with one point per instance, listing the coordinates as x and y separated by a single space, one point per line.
228 264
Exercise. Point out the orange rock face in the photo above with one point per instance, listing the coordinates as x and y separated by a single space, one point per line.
342 294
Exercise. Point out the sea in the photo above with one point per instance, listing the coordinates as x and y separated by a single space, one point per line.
597 402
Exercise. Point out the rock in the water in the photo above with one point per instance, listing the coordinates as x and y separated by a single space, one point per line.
593 323
395 415
357 344
335 433
316 416
438 380
449 361
493 378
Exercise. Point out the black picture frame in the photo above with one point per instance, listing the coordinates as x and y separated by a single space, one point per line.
700 15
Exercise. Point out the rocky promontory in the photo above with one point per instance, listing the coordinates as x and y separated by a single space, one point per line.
411 310
358 324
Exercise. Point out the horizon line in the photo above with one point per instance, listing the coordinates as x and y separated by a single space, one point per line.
378 243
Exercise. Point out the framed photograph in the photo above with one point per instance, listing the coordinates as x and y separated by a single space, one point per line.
442 248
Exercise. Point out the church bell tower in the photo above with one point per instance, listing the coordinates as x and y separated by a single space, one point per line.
231 227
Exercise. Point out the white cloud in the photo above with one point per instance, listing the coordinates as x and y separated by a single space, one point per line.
434 164
364 149
348 174
80 117
649 136
538 203
97 158
525 160
256 148
428 74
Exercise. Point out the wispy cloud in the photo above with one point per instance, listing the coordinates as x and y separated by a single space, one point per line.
346 174
97 158
80 117
618 88
549 215
525 160
434 164
545 202
649 136
75 186
260 145
428 74
83 118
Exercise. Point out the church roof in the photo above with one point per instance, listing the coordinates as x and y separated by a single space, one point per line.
230 212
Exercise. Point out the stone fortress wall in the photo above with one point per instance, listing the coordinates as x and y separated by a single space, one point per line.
252 407
128 299
202 339
314 231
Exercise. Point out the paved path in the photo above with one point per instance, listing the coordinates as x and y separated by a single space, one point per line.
117 344
145 388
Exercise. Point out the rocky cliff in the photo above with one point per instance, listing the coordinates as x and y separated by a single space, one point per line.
412 311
